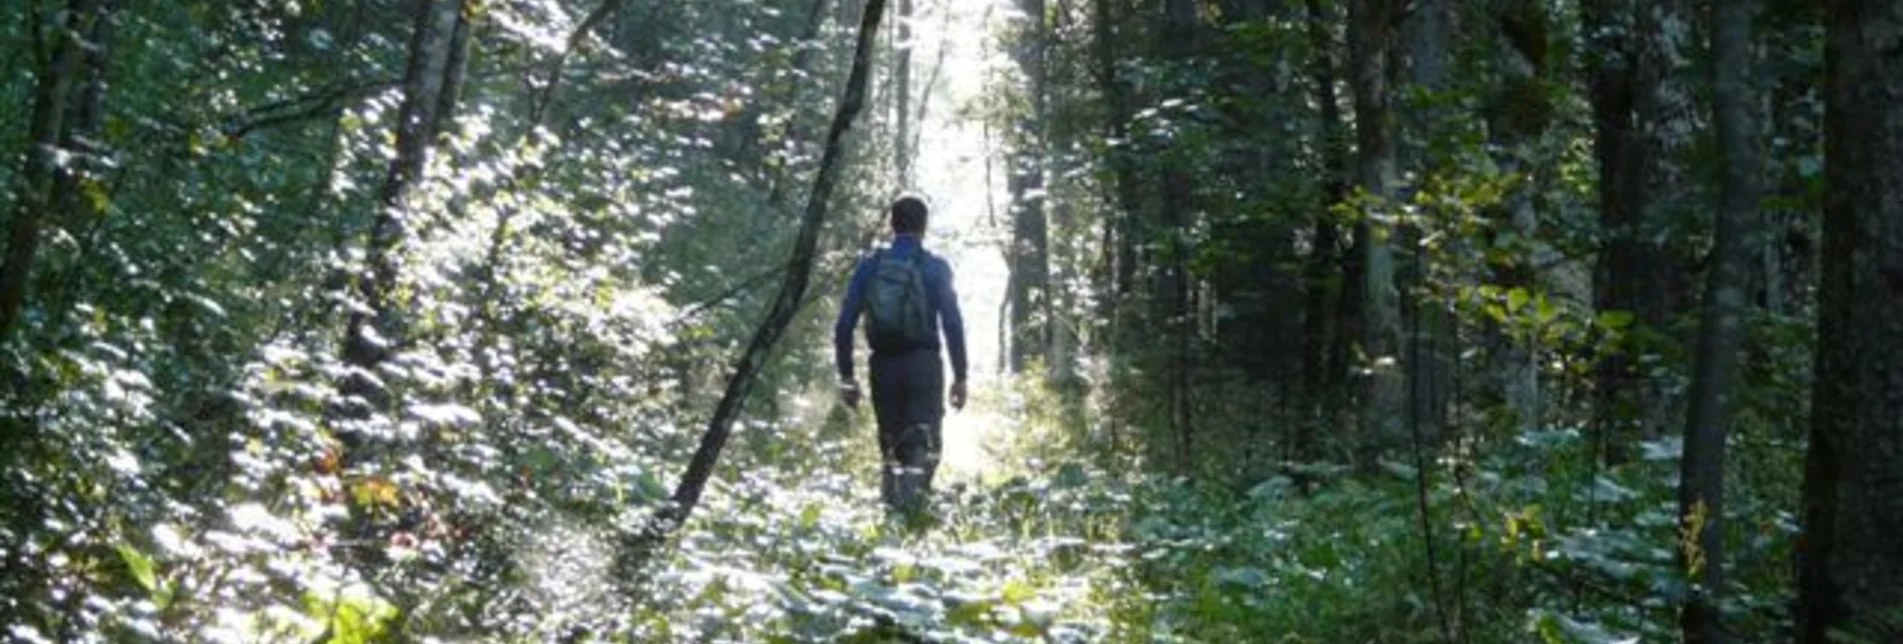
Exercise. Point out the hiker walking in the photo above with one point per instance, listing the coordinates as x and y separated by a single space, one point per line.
905 293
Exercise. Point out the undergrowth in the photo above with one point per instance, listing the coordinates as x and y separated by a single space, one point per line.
1532 543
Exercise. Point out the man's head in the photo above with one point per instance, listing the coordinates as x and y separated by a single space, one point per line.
908 215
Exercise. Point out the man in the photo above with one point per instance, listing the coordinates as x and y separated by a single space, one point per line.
905 293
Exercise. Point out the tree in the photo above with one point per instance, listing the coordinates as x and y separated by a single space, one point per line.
1371 25
1642 120
1322 366
786 304
1029 256
902 89
1429 35
1721 329
432 82
1851 561
49 130
1522 112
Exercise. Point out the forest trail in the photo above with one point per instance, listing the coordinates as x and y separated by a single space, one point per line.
971 438
966 194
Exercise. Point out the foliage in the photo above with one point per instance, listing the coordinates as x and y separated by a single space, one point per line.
579 264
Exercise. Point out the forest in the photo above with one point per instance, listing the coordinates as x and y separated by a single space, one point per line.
1437 321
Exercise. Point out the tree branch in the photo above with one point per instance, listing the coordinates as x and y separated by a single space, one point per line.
575 38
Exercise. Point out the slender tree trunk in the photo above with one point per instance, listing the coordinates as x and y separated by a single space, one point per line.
1850 577
1372 24
902 81
1523 113
1180 38
1428 32
1322 279
1030 228
1640 120
1117 107
792 290
1721 331
42 184
75 188
455 75
437 50
42 170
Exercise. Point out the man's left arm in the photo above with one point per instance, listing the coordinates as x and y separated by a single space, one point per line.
953 323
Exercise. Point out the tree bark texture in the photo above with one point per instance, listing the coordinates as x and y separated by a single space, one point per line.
41 172
1721 329
1850 556
1322 279
1124 227
1522 112
1371 25
902 88
1642 120
1030 229
1176 303
1428 34
437 52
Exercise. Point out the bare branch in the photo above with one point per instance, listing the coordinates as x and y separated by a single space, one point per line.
575 38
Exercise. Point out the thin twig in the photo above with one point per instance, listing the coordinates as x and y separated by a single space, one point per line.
732 292
575 38
931 80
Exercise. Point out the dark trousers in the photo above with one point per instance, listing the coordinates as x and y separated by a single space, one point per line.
908 398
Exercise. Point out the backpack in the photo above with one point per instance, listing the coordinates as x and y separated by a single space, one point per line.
898 315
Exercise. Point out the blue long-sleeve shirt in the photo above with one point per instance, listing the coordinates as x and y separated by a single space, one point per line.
938 294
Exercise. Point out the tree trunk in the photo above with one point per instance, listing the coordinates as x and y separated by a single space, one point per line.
1117 107
1522 113
1322 278
42 171
902 82
1721 331
1638 114
71 197
792 291
1850 557
437 49
1428 32
1180 37
1030 228
1372 24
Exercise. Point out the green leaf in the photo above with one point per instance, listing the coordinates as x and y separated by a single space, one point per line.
649 487
143 569
1616 320
1517 299
1497 312
1545 310
1017 592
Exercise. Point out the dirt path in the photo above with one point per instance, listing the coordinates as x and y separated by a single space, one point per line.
971 436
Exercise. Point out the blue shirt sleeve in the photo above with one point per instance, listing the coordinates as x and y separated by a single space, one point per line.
848 319
952 321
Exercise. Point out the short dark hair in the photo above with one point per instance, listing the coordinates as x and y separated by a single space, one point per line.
908 215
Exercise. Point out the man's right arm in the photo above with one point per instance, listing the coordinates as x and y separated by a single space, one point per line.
848 320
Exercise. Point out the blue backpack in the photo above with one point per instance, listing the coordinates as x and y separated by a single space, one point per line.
898 315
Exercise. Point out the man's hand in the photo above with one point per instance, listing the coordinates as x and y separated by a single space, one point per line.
958 395
849 394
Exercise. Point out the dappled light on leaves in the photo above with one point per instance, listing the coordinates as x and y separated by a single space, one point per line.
347 321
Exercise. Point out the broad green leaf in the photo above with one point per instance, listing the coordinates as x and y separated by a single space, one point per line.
1616 320
1517 299
142 568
